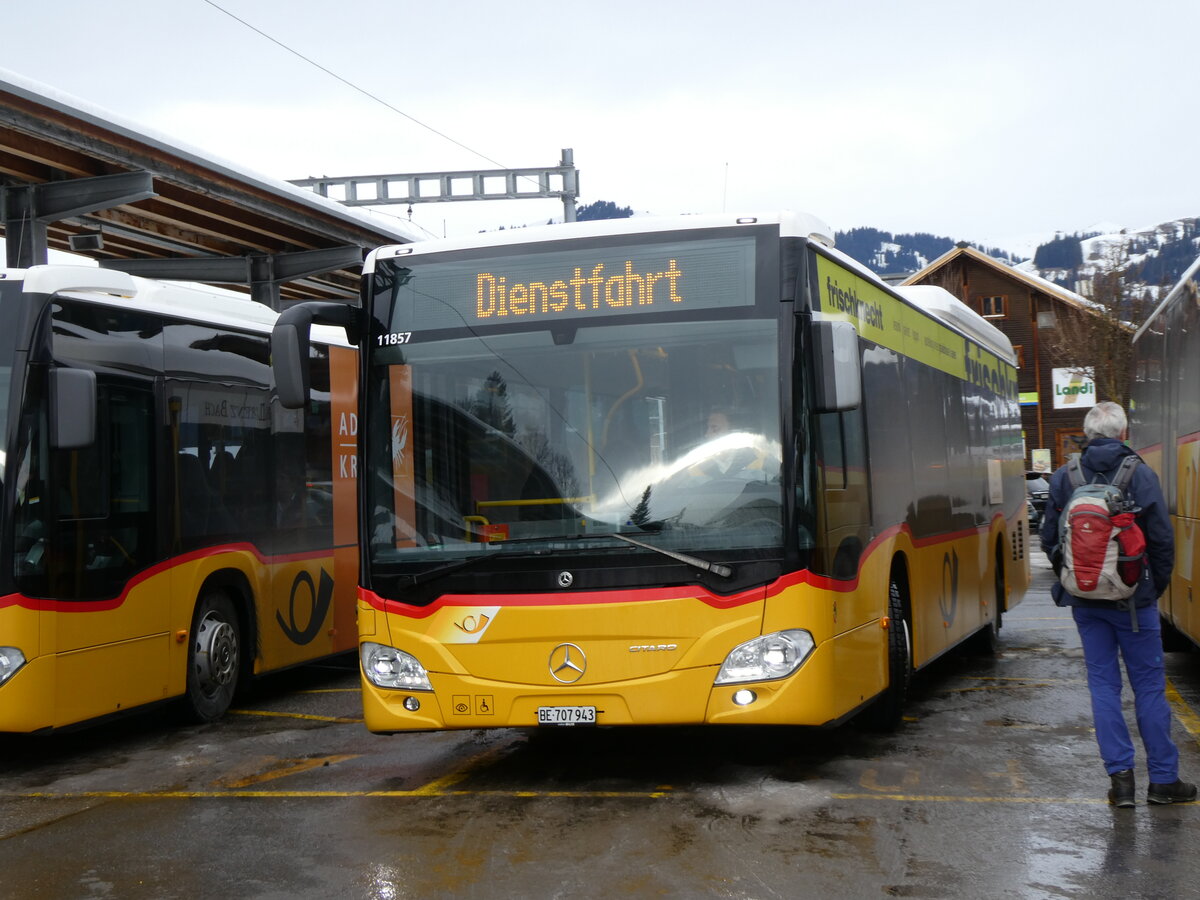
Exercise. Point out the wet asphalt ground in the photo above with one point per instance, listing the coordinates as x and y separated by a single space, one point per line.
992 788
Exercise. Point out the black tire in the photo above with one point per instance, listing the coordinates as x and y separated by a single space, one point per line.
886 713
214 657
987 641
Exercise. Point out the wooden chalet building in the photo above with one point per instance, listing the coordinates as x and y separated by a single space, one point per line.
1029 310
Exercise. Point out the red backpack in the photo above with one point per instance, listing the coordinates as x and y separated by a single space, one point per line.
1103 548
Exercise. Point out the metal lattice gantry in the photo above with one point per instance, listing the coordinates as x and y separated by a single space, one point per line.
561 181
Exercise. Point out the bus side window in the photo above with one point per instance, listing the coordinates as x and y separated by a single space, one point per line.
844 509
318 452
105 524
195 498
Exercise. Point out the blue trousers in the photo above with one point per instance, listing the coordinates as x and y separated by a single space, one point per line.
1108 637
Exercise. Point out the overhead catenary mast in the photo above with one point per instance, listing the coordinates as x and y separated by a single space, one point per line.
560 181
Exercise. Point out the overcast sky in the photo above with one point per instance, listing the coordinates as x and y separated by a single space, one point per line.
982 121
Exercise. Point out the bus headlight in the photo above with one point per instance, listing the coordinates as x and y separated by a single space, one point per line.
11 659
388 667
764 658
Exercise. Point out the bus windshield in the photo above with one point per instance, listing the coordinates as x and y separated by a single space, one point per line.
520 439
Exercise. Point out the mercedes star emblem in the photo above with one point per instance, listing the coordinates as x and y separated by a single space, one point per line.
567 663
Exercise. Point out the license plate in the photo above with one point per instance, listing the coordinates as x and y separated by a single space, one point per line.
566 715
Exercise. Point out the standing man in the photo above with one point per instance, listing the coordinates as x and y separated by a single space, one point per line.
1107 633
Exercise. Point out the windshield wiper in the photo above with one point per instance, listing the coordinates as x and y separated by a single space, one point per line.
703 565
438 571
447 568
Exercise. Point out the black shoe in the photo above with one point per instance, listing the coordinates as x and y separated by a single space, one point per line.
1121 794
1179 792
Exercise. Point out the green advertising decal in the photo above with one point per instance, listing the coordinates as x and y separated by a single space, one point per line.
892 323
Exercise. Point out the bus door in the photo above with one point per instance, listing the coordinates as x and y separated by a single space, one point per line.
844 509
111 636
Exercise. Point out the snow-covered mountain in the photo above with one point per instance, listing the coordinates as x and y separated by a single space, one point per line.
1152 258
902 254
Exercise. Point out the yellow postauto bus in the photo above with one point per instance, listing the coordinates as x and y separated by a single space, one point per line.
696 470
168 529
1164 428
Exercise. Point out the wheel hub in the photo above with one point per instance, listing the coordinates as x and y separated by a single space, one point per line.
216 653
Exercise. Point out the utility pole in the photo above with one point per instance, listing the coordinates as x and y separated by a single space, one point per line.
560 181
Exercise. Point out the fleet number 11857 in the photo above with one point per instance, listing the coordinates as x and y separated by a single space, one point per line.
395 337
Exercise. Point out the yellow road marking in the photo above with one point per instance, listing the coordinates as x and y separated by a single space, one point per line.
567 795
356 690
438 787
286 715
296 766
305 795
1183 712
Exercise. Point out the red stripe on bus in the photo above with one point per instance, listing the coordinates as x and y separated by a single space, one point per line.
45 604
585 598
582 598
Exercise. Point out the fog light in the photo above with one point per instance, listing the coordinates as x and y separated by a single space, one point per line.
744 697
412 704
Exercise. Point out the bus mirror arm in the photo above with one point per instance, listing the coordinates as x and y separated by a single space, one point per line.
290 343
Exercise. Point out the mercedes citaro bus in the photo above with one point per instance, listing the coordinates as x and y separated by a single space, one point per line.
1164 428
696 470
167 529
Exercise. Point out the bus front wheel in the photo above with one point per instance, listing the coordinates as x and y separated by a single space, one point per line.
214 657
888 709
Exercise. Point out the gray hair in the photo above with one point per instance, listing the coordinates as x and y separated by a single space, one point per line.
1105 419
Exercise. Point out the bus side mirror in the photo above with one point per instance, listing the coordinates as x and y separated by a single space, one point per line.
290 345
72 408
289 361
835 366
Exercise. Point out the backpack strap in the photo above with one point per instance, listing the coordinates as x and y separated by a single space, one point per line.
1120 480
1075 472
1124 473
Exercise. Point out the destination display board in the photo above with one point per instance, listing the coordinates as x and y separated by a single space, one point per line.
568 285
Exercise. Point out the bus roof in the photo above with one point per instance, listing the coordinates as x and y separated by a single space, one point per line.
1188 277
935 301
791 224
944 306
178 299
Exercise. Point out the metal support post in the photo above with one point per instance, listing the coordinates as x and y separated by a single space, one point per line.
263 273
29 209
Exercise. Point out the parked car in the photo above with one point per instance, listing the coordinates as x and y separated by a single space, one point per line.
1037 491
